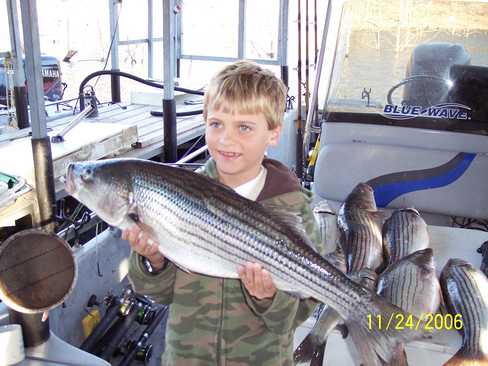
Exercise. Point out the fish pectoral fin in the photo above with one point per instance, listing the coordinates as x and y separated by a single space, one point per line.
133 216
133 212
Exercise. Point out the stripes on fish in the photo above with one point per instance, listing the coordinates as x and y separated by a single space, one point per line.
360 230
205 227
313 345
465 291
312 348
404 232
411 284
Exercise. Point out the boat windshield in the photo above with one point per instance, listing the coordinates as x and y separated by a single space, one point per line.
410 60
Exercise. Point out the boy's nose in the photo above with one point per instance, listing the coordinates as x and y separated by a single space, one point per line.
227 136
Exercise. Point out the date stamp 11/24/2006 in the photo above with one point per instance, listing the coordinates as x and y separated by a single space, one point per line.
427 321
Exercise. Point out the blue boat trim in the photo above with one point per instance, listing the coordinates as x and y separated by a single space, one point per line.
390 186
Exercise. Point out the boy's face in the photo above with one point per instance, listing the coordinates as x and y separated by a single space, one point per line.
237 142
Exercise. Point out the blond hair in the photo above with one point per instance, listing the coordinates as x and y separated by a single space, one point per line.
245 87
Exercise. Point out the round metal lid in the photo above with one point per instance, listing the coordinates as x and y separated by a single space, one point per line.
37 271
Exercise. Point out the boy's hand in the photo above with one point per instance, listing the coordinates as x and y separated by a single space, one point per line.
257 281
143 244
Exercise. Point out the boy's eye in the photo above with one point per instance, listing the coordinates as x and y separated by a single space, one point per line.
244 128
214 124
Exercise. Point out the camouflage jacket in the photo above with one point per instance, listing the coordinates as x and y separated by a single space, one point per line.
215 321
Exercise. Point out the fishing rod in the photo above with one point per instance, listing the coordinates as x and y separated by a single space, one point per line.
299 147
307 60
316 56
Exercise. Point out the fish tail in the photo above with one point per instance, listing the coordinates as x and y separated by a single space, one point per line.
399 358
381 333
463 358
318 355
307 349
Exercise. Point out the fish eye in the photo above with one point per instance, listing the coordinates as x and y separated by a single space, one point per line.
87 175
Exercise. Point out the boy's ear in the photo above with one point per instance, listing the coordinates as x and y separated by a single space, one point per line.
274 137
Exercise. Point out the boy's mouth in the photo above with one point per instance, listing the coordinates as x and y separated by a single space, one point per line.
229 154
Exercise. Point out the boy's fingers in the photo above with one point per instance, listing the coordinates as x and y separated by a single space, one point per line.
251 274
133 235
258 282
152 247
268 282
246 275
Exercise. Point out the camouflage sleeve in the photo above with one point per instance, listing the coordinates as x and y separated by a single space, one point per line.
159 286
285 312
310 224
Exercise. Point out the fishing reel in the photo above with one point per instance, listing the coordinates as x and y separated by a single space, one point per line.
143 352
145 315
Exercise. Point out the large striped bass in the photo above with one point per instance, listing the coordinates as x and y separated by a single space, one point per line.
205 227
465 291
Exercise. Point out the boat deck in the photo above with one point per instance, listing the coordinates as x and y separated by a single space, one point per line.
118 131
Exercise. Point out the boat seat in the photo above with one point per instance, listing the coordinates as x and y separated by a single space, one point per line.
470 87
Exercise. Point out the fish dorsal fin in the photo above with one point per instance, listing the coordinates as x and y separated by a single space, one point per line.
291 219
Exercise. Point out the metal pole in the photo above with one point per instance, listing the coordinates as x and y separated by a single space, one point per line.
316 53
299 153
150 41
20 92
178 43
169 105
283 41
114 53
35 331
241 30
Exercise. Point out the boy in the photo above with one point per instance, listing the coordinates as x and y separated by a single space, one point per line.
215 321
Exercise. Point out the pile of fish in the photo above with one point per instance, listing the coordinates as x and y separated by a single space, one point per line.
396 251
205 227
